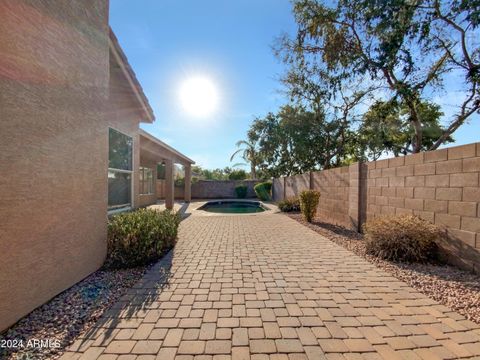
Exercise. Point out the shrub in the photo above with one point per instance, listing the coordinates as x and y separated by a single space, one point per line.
263 191
289 204
308 204
179 182
401 238
241 191
140 237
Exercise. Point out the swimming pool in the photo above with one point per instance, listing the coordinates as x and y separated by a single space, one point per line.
233 207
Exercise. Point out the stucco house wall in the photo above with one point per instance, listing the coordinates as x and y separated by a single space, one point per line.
64 81
53 148
123 114
61 89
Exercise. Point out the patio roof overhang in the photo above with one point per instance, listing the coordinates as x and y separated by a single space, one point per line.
155 149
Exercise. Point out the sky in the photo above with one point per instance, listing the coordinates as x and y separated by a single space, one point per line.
229 43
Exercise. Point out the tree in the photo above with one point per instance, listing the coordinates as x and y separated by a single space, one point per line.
404 48
249 153
387 128
237 174
215 174
226 173
296 140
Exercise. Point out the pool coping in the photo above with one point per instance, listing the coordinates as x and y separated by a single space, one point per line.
194 207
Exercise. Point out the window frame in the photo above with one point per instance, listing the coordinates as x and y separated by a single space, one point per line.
128 206
144 180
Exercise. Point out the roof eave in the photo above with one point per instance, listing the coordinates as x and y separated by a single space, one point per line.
166 146
127 70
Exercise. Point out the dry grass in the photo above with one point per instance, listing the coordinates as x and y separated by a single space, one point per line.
405 238
289 204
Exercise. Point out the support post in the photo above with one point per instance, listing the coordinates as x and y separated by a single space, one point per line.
188 183
169 184
355 196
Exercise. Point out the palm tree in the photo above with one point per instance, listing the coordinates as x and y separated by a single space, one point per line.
249 153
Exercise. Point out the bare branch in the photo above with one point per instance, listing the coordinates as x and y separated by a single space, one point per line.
465 112
462 32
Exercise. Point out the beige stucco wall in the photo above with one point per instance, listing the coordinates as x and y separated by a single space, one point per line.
123 114
53 90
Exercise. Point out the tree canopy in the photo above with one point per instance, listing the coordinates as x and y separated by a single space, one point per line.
398 51
363 78
296 140
227 173
387 128
248 151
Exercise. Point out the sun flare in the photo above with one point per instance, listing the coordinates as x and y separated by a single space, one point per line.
198 96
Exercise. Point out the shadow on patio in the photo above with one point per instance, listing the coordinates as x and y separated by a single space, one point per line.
139 303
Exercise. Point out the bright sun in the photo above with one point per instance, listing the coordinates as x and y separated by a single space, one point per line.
199 96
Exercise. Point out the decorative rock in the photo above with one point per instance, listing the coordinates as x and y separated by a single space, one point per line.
450 286
70 314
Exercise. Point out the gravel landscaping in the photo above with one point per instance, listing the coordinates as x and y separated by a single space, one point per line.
69 314
450 286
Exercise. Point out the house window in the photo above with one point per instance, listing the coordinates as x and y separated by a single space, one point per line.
146 181
120 172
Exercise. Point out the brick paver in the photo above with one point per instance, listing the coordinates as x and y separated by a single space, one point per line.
265 287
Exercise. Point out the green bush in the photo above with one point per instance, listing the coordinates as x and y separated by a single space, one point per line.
289 204
263 191
402 238
179 182
308 204
140 237
238 174
241 191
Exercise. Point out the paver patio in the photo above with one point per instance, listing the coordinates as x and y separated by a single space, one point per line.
267 288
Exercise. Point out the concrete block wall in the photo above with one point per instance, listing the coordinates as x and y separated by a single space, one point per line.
209 189
294 185
334 187
441 186
179 191
278 189
339 201
221 189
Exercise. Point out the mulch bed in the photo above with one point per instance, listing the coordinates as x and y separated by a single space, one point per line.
450 286
69 314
